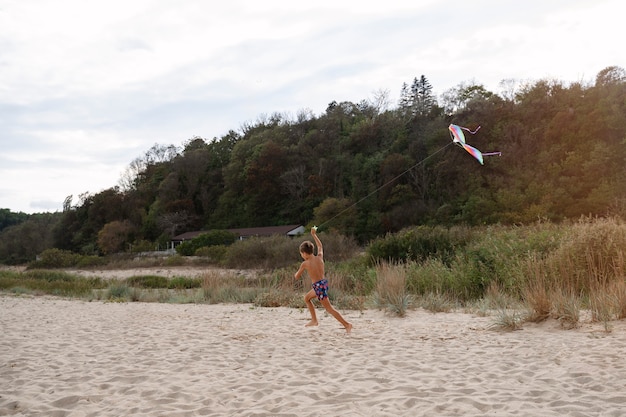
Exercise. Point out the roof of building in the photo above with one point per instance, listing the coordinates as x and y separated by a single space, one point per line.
290 230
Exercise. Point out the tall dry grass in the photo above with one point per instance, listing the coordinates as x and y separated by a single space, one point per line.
586 270
391 294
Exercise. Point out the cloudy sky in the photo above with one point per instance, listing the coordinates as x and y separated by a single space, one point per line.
86 86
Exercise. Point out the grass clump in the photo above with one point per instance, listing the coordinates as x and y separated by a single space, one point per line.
118 292
180 283
147 281
566 309
508 320
436 302
48 282
391 294
216 288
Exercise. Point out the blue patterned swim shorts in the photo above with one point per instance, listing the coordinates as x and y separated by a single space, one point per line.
321 288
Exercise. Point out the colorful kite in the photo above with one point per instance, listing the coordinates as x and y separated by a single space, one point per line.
458 137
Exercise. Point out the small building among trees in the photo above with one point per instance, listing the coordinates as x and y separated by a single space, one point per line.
245 233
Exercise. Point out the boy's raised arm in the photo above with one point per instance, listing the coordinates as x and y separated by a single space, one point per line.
318 242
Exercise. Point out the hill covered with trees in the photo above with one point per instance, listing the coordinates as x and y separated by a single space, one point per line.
365 170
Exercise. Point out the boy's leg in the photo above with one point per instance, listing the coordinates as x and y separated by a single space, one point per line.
326 303
307 299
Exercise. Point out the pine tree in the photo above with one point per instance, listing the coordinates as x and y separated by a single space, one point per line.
422 96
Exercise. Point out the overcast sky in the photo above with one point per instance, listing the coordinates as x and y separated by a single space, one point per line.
86 86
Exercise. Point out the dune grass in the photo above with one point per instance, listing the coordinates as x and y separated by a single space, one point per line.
515 274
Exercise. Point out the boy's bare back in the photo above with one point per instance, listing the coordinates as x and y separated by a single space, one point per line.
315 267
313 264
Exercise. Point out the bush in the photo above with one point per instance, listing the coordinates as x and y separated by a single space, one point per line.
181 283
262 253
147 281
355 276
118 292
212 238
590 255
420 243
56 258
214 254
86 261
431 276
174 260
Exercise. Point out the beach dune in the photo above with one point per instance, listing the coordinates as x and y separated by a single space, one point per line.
76 358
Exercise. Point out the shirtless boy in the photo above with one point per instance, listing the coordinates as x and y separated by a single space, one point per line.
314 265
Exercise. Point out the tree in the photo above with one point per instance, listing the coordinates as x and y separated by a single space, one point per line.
422 94
611 76
418 100
8 218
113 237
22 242
339 213
457 99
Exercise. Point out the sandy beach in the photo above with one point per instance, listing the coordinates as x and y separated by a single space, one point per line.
77 358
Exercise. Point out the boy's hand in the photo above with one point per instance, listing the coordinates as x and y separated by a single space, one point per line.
313 230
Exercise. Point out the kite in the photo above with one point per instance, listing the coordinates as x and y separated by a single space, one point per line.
458 137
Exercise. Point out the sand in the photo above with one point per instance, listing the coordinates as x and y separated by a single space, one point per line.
76 358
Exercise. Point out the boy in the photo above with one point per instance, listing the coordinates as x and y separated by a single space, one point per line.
314 265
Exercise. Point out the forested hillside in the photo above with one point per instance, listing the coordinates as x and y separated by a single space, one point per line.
365 169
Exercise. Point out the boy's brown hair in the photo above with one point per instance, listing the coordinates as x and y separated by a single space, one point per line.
307 247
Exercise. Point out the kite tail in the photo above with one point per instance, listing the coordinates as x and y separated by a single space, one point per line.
492 153
473 132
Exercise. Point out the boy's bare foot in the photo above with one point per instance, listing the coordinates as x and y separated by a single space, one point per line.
311 323
348 328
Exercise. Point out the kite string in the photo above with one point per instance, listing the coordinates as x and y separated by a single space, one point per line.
385 184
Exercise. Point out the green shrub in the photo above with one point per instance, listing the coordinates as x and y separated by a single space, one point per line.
55 258
430 276
186 248
49 282
147 281
262 253
180 283
211 238
355 276
419 243
50 276
142 246
118 291
86 261
174 260
214 254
